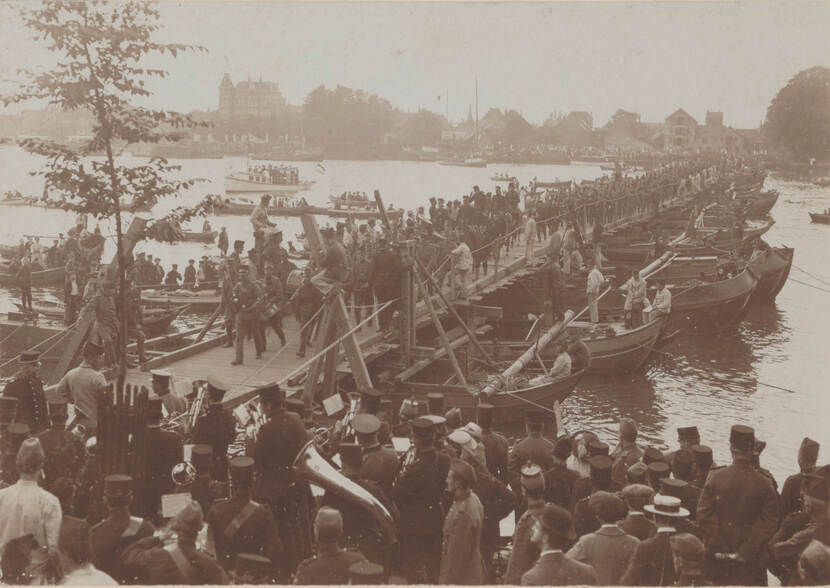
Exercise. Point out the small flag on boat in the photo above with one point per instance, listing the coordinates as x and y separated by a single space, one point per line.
321 168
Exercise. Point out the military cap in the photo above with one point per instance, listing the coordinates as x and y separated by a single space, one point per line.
637 473
365 573
815 559
453 417
423 428
650 455
555 520
463 471
742 437
242 470
600 466
351 456
92 349
637 495
8 409
628 429
688 433
667 506
808 451
814 487
30 357
17 433
216 388
474 431
201 456
370 400
329 525
365 424
30 456
681 463
435 403
608 507
688 547
673 487
190 519
531 477
658 468
161 376
250 568
118 486
597 447
295 405
702 455
271 392
534 417
154 412
562 447
436 420
485 414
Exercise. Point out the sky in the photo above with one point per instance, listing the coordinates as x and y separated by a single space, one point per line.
537 58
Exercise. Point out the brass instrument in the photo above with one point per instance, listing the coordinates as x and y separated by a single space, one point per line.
195 409
312 467
183 473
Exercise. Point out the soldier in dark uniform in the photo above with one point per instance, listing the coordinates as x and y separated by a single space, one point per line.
238 525
703 463
247 298
683 471
278 443
495 444
559 480
380 464
119 530
331 564
217 428
64 450
687 437
584 517
534 448
13 438
738 513
386 280
657 470
27 388
203 489
418 493
228 277
164 451
307 300
791 491
178 563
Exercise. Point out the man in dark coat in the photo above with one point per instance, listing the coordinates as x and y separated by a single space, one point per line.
636 497
278 443
178 563
119 530
533 448
27 388
738 512
217 428
64 450
652 564
240 525
791 491
585 518
554 568
380 464
417 493
164 451
559 480
331 564
203 489
386 280
496 446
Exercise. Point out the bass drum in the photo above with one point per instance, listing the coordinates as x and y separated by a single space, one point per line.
294 281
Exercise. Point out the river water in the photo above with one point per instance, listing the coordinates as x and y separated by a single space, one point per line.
771 373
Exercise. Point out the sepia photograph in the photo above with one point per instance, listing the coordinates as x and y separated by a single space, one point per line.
419 292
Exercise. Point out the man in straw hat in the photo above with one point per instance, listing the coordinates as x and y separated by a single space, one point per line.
27 387
554 568
461 561
738 513
28 509
652 561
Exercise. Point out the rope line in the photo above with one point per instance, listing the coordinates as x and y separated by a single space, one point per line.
810 285
815 277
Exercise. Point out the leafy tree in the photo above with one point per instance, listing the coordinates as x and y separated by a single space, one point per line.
100 51
798 118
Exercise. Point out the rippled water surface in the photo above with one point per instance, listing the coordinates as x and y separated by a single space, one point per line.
771 373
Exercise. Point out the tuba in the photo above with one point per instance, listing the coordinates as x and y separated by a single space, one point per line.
312 467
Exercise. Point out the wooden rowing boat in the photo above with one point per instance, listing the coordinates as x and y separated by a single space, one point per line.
156 321
773 268
202 237
818 217
760 205
47 277
242 208
349 203
199 300
629 252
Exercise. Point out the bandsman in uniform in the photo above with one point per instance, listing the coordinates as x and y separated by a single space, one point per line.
161 381
217 428
164 451
203 489
239 526
180 562
738 513
331 564
418 492
250 568
495 444
64 450
27 387
380 464
277 445
525 552
119 530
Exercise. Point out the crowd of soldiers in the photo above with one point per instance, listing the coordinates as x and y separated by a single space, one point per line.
584 512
